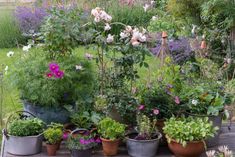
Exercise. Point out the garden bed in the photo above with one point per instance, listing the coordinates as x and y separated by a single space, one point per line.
226 138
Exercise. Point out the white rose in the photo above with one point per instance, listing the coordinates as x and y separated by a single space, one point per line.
110 38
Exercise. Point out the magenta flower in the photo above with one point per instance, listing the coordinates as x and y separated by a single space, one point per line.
82 141
155 111
177 100
98 140
59 74
141 107
54 67
49 75
65 136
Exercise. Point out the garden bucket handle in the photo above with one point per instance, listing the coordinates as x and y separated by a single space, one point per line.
78 129
17 112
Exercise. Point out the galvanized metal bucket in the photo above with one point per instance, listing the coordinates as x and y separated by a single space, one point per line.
143 148
28 145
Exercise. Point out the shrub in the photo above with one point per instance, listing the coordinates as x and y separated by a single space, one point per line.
53 135
53 88
110 129
9 30
26 127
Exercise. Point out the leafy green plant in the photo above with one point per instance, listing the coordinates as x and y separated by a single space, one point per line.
184 130
46 88
53 135
26 127
82 142
110 129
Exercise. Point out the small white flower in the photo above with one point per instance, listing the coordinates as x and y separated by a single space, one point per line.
194 102
135 43
10 54
95 12
107 27
219 82
124 35
89 56
223 149
228 153
79 67
26 48
154 18
193 29
97 19
128 29
6 68
142 38
210 153
110 38
203 36
146 7
152 2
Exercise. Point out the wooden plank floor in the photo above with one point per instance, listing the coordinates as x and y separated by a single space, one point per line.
227 137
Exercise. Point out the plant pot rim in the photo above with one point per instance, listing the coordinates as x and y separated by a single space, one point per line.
173 140
107 140
25 136
204 115
155 139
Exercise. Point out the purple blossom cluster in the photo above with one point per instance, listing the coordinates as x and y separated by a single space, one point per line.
180 49
89 141
30 19
55 71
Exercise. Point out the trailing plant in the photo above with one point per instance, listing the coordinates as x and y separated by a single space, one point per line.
110 129
26 127
184 130
53 135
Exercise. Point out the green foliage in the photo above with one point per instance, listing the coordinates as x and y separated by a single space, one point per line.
184 130
55 126
53 135
76 85
26 127
61 31
85 119
81 142
110 129
9 30
146 127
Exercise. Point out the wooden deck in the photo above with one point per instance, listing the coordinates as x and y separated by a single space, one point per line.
227 137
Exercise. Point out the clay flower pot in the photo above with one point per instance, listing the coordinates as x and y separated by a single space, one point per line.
51 149
192 149
110 148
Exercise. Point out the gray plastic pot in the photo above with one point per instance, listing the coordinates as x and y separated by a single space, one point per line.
28 145
81 153
143 148
48 114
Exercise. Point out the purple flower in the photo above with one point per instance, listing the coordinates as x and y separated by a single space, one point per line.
98 140
177 100
156 111
54 67
59 74
65 136
82 141
141 107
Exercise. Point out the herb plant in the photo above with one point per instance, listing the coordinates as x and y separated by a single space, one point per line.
184 130
110 129
53 135
26 127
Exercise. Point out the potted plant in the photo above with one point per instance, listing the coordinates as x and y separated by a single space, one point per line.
81 145
57 126
24 136
58 77
52 136
111 133
147 137
186 136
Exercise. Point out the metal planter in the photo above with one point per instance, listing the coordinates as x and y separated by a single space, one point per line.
143 148
81 153
27 145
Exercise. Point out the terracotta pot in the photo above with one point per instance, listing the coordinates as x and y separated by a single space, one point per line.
51 149
110 148
160 124
192 149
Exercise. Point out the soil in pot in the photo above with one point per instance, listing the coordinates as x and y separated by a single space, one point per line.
142 148
192 149
81 153
51 149
110 148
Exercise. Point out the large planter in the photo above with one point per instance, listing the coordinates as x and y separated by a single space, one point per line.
81 153
217 122
48 114
192 149
110 148
28 145
143 148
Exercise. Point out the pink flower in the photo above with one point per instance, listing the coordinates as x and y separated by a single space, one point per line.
177 100
49 75
59 74
65 136
155 111
82 141
141 107
54 67
98 140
